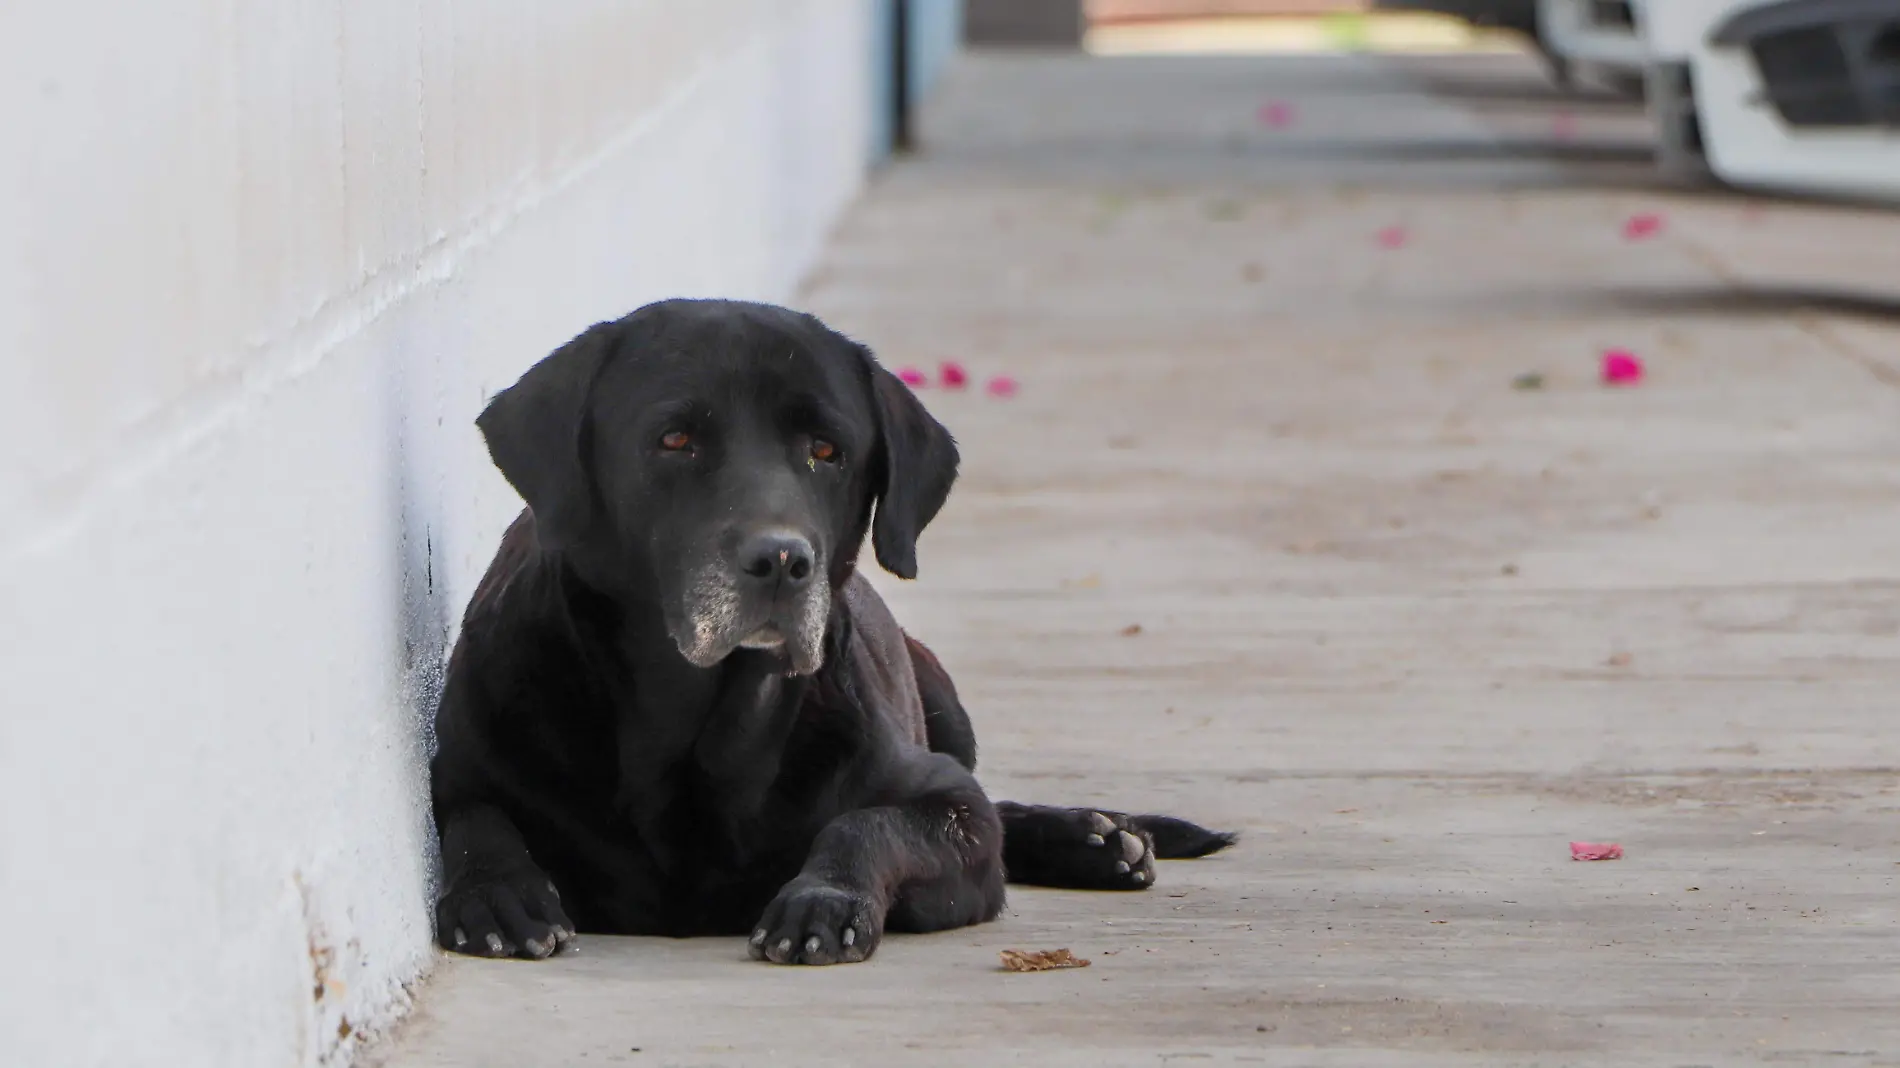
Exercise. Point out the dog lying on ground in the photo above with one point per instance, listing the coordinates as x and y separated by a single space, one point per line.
675 707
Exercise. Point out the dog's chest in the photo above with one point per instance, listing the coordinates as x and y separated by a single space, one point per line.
716 867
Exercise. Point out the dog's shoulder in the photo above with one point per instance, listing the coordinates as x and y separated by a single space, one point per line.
880 659
514 556
517 640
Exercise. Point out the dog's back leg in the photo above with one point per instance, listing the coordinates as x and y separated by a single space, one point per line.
1096 849
1078 848
945 721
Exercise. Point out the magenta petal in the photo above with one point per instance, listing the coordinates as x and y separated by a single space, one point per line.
952 375
1622 368
1001 386
912 377
1646 224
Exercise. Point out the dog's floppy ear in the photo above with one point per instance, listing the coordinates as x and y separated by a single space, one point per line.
919 459
536 433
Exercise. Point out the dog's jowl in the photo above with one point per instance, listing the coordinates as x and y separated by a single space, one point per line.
675 708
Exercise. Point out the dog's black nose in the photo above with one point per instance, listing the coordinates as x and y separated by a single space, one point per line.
777 559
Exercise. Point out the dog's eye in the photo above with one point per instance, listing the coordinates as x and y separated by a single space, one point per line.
823 450
675 440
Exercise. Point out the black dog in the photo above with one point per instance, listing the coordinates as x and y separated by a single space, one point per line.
673 698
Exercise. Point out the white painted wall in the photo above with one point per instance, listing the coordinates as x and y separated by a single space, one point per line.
260 264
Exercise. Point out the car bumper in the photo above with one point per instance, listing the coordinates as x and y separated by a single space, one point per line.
1802 96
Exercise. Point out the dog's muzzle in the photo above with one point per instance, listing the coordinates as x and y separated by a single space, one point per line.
756 606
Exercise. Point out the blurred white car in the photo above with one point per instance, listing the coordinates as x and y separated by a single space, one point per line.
1604 36
1795 95
1670 32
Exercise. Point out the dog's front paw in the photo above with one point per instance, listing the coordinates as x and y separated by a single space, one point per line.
812 922
513 915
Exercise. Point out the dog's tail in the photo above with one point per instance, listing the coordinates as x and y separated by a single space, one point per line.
1177 839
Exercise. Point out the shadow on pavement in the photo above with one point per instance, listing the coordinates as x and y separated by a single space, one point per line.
1747 301
1719 301
1462 150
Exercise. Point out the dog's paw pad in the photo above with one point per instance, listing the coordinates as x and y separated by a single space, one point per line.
1127 862
1134 847
1082 848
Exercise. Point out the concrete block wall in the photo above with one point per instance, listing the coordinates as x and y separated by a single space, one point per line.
262 265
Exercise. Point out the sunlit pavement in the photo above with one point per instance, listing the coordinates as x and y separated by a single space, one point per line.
1347 32
1276 534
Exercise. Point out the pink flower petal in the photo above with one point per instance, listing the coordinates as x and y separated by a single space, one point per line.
912 377
952 375
1277 114
1001 386
1393 237
1646 224
1621 368
1595 851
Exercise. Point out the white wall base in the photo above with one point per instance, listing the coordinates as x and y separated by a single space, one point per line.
270 262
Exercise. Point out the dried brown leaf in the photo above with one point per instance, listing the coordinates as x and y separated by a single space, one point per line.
1040 960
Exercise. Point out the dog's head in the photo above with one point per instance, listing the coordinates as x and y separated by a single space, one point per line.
720 460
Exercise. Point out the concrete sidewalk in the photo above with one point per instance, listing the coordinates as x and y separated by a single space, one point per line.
1411 630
